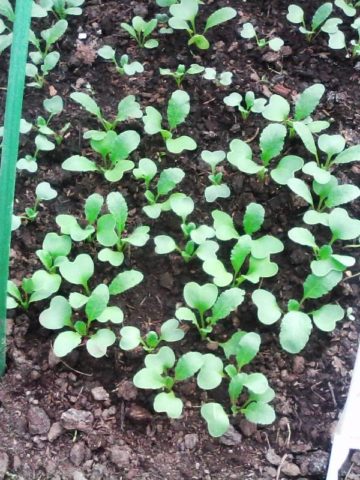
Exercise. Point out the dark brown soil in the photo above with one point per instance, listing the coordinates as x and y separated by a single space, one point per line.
127 439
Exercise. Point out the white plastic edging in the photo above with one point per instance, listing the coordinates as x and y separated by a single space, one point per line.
347 432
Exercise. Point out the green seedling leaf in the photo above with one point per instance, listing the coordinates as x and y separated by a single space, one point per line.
69 226
213 192
308 101
253 218
316 287
138 237
277 110
168 180
216 419
54 33
200 297
321 14
215 268
162 360
211 372
276 44
130 338
57 245
185 10
187 365
311 217
240 156
295 331
164 244
260 268
77 300
342 194
260 413
295 14
247 349
78 163
248 31
302 236
98 343
106 52
320 175
178 108
179 144
58 315
201 234
220 16
152 121
43 285
168 403
240 252
170 331
257 383
97 302
93 206
227 302
264 246
79 271
342 226
146 170
114 258
207 250
128 108
54 105
149 378
111 314
300 188
84 100
117 206
65 343
43 143
351 154
105 231
213 158
325 318
224 226
124 281
331 144
268 310
272 141
182 205
286 169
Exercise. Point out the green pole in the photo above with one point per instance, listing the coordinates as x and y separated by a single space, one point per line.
13 108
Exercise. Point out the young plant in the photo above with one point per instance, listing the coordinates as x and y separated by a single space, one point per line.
245 105
141 30
256 252
81 327
39 286
296 325
43 193
54 247
114 151
220 79
123 65
63 8
241 349
205 306
248 31
184 17
197 243
320 23
300 123
177 111
128 108
110 229
217 189
53 106
348 6
356 43
44 59
157 197
181 72
163 372
131 337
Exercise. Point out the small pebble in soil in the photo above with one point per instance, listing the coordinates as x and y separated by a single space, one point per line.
55 431
231 437
315 464
99 394
247 428
38 421
78 476
4 464
120 456
191 440
74 419
290 469
77 454
272 457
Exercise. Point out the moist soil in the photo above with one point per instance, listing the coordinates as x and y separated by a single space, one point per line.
123 438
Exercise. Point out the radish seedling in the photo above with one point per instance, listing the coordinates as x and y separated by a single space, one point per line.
220 79
54 247
168 179
257 251
114 151
128 108
348 6
169 332
181 72
217 189
43 192
252 104
184 17
356 43
123 65
177 111
321 22
248 31
140 30
63 8
209 305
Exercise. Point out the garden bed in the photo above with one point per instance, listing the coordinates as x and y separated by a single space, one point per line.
124 437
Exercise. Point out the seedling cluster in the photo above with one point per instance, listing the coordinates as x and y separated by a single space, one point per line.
238 261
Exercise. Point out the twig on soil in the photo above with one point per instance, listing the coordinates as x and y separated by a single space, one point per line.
349 471
349 278
267 439
289 434
76 371
249 140
332 394
209 101
280 466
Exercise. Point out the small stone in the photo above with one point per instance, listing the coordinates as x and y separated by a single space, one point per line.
53 360
126 390
55 431
317 463
231 437
247 428
77 475
272 457
4 464
166 280
77 454
290 469
38 421
299 364
140 10
120 456
191 440
99 394
74 419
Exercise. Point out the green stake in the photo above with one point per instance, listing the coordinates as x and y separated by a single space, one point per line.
14 99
